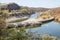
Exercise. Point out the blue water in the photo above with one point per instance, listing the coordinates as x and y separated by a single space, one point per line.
51 28
33 16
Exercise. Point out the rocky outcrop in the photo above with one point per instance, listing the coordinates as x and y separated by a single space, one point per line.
11 6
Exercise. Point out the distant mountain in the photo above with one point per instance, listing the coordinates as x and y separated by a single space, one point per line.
37 9
14 6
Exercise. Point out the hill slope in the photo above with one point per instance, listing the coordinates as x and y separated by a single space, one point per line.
55 12
14 6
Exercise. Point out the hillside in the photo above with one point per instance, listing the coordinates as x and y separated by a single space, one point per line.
56 13
11 6
14 6
52 12
36 9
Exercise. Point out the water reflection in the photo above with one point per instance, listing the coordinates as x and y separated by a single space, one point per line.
51 28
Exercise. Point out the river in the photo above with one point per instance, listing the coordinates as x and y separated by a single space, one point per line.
51 28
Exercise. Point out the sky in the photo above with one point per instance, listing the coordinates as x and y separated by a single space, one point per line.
35 3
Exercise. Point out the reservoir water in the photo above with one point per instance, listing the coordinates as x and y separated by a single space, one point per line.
51 28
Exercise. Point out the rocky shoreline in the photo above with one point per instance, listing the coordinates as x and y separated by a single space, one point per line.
17 16
29 23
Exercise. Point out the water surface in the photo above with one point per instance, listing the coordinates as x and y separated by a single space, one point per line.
51 28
